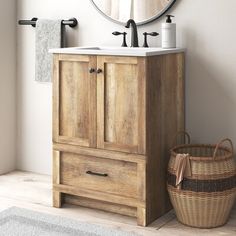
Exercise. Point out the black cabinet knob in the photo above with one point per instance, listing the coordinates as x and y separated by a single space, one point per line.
91 70
99 71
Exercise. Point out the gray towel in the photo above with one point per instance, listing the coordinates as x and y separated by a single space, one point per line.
49 34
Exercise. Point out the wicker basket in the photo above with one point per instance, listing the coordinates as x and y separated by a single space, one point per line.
205 198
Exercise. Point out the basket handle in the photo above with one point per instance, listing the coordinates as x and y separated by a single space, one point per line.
185 135
218 145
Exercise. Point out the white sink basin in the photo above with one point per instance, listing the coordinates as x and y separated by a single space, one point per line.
117 51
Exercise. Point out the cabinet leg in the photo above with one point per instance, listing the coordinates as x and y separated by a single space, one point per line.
141 217
56 199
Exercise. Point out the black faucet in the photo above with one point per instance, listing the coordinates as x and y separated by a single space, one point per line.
134 32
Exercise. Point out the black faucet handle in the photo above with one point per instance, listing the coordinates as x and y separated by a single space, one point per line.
145 44
153 34
116 33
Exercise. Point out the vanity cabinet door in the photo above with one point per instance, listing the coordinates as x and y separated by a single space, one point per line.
74 98
121 104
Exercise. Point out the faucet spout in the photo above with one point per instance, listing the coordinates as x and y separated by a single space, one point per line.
134 32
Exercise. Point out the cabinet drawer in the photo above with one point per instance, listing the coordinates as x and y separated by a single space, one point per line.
99 174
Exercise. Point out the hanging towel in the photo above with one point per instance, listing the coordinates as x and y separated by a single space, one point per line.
182 167
49 34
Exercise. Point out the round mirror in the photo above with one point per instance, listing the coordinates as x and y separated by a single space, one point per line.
142 11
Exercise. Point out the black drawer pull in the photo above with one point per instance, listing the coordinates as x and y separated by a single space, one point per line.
94 173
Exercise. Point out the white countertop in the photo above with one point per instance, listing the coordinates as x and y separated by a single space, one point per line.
116 51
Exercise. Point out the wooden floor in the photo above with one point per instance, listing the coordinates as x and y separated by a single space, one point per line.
33 191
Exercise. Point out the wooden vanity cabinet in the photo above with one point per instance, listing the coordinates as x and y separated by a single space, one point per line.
114 121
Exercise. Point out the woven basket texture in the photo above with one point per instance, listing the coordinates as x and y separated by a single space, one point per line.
205 199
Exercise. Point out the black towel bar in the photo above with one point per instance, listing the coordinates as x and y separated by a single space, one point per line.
71 22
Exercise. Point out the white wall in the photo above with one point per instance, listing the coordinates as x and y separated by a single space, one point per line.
7 85
205 27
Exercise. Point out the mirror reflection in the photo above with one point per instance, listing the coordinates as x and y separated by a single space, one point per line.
139 10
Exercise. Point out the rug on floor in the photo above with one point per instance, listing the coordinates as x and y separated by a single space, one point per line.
21 222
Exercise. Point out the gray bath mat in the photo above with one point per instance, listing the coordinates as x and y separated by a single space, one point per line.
20 222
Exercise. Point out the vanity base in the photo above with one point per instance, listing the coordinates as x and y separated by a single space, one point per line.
122 191
119 187
140 213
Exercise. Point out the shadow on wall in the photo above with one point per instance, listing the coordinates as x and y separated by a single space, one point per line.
72 36
210 101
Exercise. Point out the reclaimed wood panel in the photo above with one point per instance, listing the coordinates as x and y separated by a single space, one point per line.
120 103
100 196
56 196
121 176
75 101
101 205
165 115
